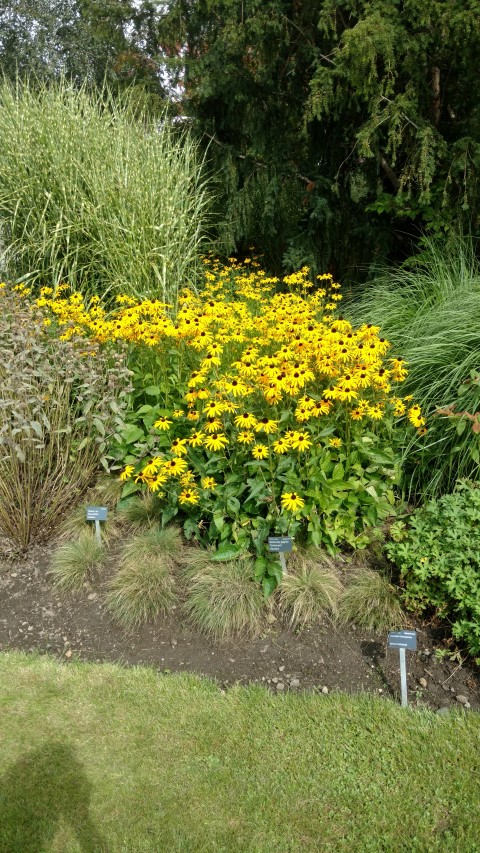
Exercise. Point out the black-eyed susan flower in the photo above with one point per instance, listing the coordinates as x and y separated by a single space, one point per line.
300 441
127 472
188 496
281 445
216 441
179 446
175 467
196 439
152 467
208 483
245 421
260 451
335 442
292 502
163 424
213 408
266 425
246 437
213 425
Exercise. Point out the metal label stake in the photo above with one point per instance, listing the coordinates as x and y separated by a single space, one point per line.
280 545
403 640
97 514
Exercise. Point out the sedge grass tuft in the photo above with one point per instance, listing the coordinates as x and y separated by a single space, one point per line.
74 563
310 590
371 601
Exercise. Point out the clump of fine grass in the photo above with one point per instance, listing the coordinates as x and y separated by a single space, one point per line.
371 602
145 585
224 600
74 563
430 312
310 590
141 511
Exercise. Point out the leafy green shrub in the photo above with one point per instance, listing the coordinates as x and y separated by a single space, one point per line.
371 601
73 563
310 589
430 311
60 402
96 196
438 554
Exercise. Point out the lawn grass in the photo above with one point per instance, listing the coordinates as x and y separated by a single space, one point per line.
99 758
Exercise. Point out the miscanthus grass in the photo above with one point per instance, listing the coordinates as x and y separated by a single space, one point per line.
95 195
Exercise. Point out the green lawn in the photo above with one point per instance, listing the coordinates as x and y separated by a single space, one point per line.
99 758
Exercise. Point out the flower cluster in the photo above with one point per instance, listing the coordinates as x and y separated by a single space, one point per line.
264 376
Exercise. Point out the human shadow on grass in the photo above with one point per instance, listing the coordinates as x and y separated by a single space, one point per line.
43 787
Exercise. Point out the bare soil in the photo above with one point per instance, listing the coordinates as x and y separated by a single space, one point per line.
36 618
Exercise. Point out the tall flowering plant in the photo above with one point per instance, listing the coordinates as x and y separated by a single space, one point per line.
264 412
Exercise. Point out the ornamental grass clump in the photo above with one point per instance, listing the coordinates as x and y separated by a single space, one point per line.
61 401
310 590
74 563
224 601
371 601
430 311
146 586
96 195
258 409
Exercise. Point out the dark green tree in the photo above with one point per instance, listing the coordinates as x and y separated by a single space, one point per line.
336 129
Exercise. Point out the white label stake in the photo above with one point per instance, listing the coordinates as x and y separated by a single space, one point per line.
403 677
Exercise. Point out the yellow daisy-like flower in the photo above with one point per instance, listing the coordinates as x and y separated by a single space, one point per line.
163 424
159 481
196 439
188 496
188 478
281 445
178 413
193 415
213 408
260 451
266 425
127 472
208 483
245 421
152 467
179 446
335 442
245 437
175 467
213 425
292 502
300 441
216 441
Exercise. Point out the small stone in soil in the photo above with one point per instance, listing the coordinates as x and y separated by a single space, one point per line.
281 668
295 682
422 682
325 690
265 649
462 699
274 680
280 685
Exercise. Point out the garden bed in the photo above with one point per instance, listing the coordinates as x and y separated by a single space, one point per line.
35 617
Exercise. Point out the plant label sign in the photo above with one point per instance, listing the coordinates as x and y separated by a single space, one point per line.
97 514
280 545
403 640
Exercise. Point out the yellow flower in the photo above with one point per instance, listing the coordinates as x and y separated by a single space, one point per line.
213 408
245 437
152 467
292 502
175 467
335 442
188 478
127 472
163 424
300 441
266 425
208 483
196 439
213 425
245 421
216 441
179 446
281 445
178 413
188 496
260 451
160 480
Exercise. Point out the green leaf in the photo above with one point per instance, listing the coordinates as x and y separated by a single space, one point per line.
152 391
227 551
132 434
269 584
